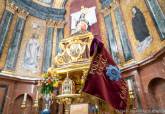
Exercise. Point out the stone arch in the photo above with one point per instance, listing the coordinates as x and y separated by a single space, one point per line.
156 93
150 78
17 105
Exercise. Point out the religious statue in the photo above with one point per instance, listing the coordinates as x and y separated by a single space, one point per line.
140 29
32 54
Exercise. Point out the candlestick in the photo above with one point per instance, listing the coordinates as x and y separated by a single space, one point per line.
129 85
23 105
36 99
25 97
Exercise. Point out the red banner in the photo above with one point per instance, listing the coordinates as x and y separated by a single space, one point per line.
113 90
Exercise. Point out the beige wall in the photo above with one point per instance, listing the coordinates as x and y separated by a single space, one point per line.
2 7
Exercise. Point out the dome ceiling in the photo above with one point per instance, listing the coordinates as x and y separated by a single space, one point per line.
40 11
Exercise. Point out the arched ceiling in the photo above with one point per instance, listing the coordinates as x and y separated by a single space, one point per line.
39 10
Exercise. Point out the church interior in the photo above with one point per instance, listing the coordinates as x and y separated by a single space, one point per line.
45 54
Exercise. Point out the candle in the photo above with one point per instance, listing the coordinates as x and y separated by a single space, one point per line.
129 85
25 97
37 95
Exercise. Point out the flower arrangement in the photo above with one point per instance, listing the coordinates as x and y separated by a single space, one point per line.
48 84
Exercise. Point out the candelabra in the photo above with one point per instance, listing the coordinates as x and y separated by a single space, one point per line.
132 99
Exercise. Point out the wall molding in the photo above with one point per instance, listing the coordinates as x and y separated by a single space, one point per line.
40 11
144 62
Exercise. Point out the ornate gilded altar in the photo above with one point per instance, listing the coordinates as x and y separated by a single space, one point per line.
71 67
73 61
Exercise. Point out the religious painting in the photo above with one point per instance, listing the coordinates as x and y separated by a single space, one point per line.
32 53
140 29
82 20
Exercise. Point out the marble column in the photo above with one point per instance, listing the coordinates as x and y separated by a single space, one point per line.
111 38
158 16
59 35
123 35
16 40
4 27
48 47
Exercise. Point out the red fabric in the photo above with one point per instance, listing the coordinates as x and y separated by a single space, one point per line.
99 85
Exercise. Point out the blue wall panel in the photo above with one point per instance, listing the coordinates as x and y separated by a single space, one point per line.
48 49
15 44
123 35
111 38
158 16
4 27
59 37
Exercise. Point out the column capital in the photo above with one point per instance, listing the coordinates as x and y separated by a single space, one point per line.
105 11
50 22
22 13
115 5
54 23
11 7
60 24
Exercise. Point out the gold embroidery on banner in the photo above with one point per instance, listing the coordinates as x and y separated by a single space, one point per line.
98 65
124 91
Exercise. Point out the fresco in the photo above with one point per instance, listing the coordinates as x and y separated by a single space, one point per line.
32 54
140 29
30 57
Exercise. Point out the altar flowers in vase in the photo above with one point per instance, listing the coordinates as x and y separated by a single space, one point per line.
49 88
104 72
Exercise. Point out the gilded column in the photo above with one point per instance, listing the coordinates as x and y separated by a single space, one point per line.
5 24
16 40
